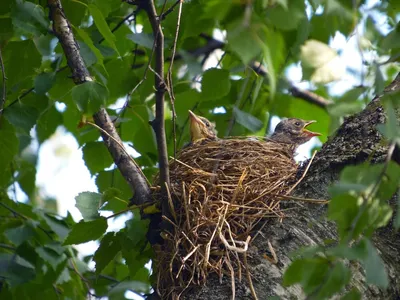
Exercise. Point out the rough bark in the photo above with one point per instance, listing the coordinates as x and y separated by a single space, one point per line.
354 142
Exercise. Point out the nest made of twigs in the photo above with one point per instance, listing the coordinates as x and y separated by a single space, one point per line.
220 190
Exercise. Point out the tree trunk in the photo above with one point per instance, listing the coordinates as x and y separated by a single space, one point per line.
354 142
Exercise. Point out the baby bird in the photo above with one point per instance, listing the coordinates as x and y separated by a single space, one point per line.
201 128
293 131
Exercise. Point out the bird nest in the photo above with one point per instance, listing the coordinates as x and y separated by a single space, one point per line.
220 192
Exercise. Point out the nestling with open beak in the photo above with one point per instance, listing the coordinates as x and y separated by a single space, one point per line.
293 131
201 128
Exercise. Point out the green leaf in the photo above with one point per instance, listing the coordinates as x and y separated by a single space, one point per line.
287 18
96 157
107 6
390 183
390 129
137 229
365 252
310 273
50 256
83 232
247 120
48 123
75 11
113 178
88 41
6 30
44 82
244 40
22 116
142 39
392 40
21 59
102 26
356 179
341 109
6 6
273 55
343 209
108 249
137 286
88 204
30 18
64 277
338 276
15 270
20 234
113 201
379 80
374 266
8 144
215 84
56 225
293 273
89 96
27 177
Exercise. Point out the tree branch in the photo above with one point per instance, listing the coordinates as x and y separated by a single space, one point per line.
213 44
309 96
158 123
80 74
295 91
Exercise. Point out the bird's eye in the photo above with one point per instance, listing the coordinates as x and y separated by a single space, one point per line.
297 124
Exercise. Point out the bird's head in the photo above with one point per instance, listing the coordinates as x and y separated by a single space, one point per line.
293 131
201 128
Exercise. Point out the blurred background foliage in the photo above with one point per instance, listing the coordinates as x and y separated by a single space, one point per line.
237 63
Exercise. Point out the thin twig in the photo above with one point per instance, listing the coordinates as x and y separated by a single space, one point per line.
120 23
302 176
158 123
130 208
169 74
169 10
4 94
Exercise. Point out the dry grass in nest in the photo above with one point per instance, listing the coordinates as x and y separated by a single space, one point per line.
220 191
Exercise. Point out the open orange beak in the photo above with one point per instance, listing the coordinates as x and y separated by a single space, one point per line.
308 132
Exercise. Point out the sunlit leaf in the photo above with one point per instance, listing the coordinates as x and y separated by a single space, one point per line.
88 204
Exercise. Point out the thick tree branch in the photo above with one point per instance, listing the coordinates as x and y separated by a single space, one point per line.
356 141
80 74
158 123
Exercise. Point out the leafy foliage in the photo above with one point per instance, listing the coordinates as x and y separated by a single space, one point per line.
37 256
